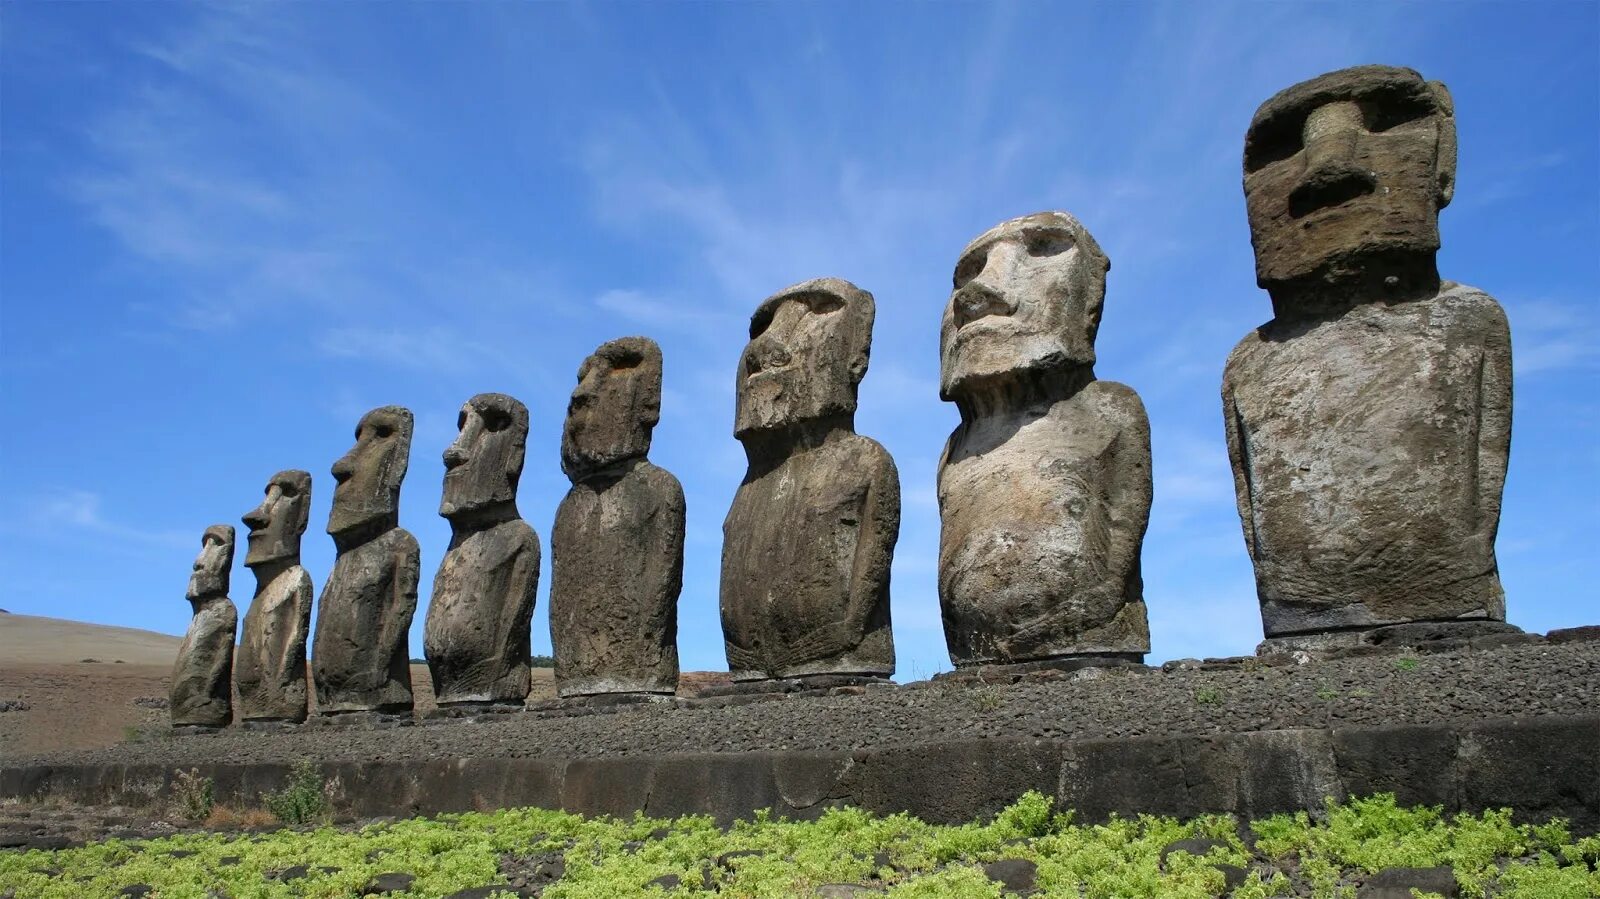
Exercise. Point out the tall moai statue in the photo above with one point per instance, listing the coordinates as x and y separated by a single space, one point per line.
1044 487
809 539
202 677
1368 422
477 631
360 658
270 670
617 547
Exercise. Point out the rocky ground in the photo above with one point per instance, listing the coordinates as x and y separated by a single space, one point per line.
1189 697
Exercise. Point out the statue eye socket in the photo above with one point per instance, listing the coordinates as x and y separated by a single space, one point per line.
496 421
383 431
287 491
822 303
1382 116
760 323
1273 142
969 267
1048 243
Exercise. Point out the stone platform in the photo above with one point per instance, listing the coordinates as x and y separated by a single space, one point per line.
1487 723
1541 767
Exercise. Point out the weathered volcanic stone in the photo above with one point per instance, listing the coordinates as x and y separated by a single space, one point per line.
477 631
270 669
808 541
617 547
1044 488
361 660
1368 422
202 677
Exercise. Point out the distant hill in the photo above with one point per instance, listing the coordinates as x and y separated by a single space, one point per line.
31 639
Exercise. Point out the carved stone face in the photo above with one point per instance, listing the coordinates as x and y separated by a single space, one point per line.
1027 296
614 408
211 567
369 475
482 466
276 525
1347 166
807 354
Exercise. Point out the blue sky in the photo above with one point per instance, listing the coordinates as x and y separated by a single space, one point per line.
227 232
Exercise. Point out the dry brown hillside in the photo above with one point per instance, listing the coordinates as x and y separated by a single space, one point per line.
87 685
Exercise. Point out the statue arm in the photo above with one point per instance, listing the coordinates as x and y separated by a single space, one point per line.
1239 461
519 613
1130 493
1494 423
291 659
402 595
1127 497
878 530
664 561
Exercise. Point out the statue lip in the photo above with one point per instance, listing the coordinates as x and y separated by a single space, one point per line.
988 323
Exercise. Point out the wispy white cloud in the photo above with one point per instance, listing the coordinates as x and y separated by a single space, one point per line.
655 311
66 512
433 349
252 179
1549 336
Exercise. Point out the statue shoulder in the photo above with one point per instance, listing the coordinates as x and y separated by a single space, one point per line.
658 479
1461 308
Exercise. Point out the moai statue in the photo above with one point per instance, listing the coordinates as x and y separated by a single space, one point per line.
1368 422
270 670
476 636
361 659
1044 487
808 542
617 548
202 678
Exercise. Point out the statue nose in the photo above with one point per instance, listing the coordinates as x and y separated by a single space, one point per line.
976 300
1332 174
454 457
766 353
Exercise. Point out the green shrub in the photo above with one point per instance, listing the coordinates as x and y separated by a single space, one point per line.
193 796
304 800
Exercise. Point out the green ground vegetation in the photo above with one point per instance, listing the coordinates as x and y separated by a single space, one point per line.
606 858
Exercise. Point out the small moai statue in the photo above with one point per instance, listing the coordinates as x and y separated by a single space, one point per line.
202 678
1368 423
476 635
617 547
1044 487
809 539
360 659
270 670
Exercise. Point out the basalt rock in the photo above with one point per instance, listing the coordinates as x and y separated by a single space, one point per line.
202 677
1045 486
361 658
1369 421
270 668
809 539
477 631
617 547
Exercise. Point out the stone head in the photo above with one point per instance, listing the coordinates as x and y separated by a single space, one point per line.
807 355
1345 168
276 525
483 465
614 408
211 568
1027 298
367 494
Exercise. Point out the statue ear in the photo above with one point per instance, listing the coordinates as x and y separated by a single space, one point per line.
1446 154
